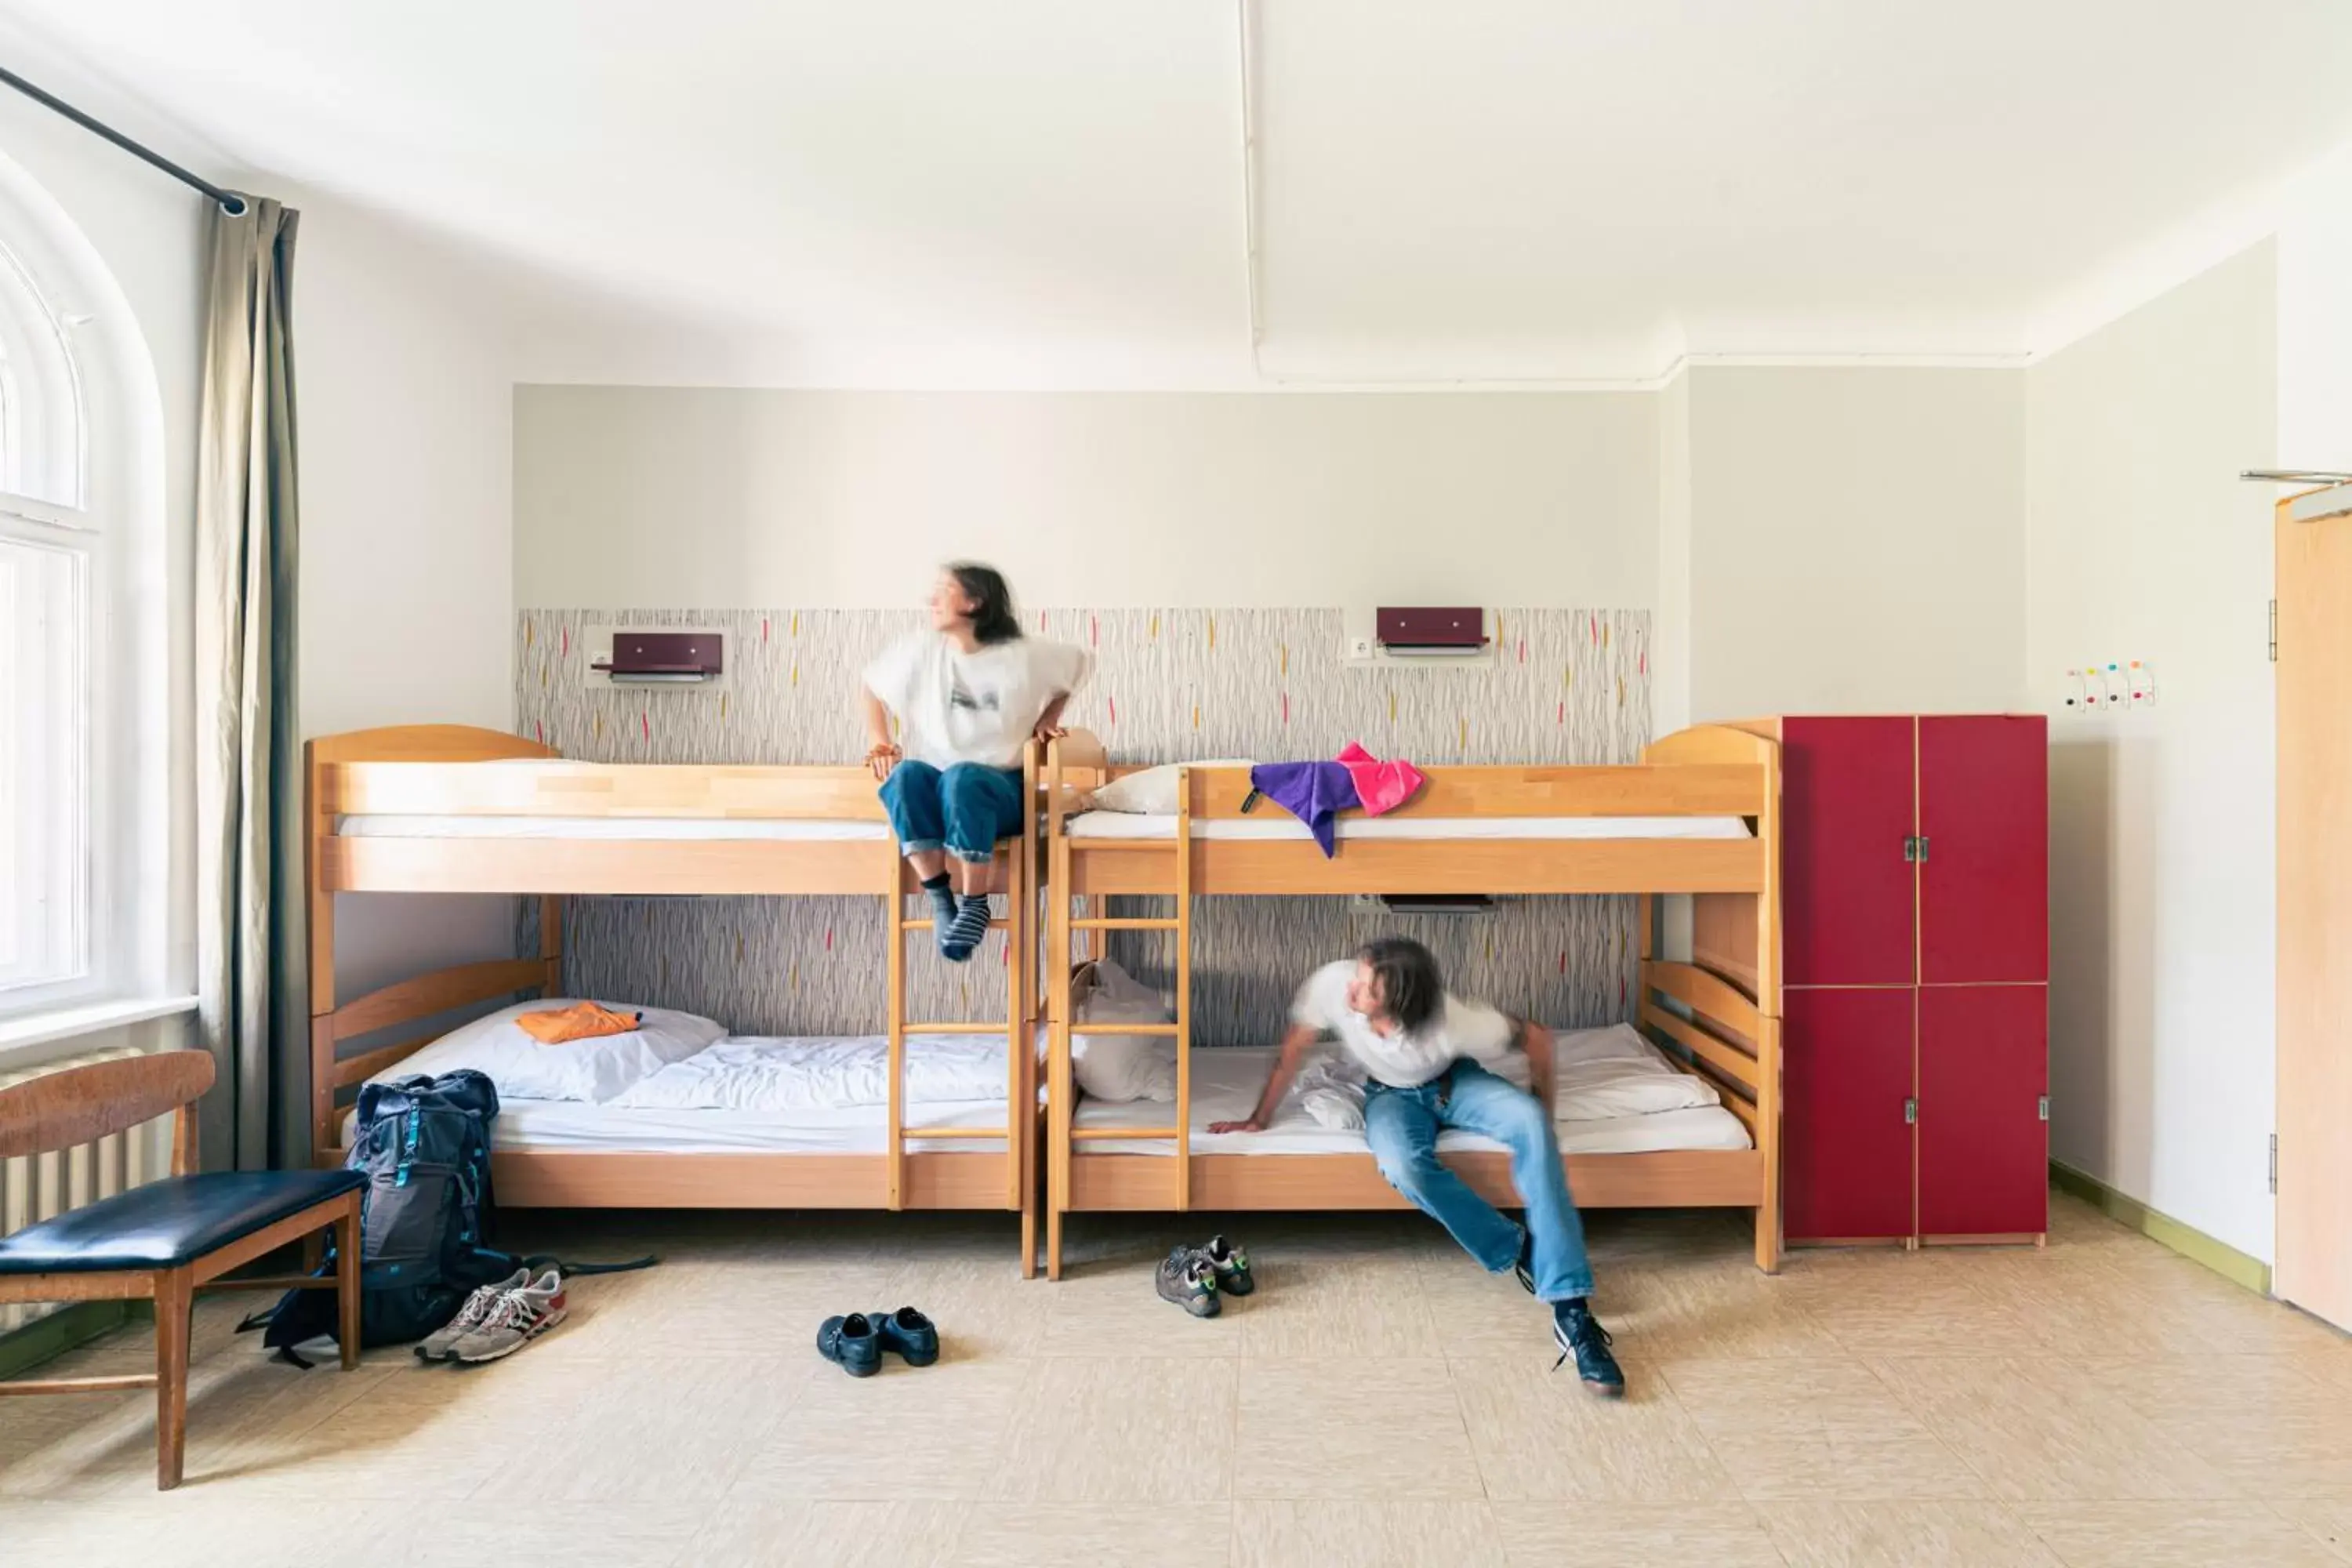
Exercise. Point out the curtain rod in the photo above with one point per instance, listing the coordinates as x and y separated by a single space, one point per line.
230 202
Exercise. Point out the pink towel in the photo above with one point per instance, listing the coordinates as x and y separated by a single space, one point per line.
1381 786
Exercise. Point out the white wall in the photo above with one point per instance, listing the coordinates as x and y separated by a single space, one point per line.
1856 540
651 498
2315 319
1670 668
2141 543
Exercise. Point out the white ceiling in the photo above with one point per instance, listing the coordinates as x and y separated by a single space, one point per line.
1017 192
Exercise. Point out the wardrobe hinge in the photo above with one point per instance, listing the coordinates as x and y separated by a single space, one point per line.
1910 1112
2273 631
2044 1108
2273 1164
1915 849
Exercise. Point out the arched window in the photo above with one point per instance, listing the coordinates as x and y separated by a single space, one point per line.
84 792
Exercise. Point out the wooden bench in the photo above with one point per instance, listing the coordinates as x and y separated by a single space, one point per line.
169 1238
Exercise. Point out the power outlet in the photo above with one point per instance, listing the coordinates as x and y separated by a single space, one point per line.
1360 649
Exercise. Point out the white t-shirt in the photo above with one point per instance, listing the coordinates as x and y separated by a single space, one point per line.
1460 1029
979 706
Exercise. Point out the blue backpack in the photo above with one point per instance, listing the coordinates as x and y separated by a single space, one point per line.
424 1146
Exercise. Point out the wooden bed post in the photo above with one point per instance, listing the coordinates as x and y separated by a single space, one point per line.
1020 1040
1767 1003
319 911
1183 913
1056 980
550 945
894 1135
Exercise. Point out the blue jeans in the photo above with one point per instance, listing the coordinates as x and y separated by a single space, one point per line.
1402 1126
964 810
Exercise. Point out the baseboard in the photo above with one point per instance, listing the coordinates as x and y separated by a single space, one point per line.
75 1323
2187 1240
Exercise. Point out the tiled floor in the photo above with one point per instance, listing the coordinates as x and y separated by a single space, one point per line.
1378 1400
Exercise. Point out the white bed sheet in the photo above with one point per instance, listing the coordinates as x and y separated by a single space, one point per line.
1278 823
404 826
541 1126
1225 1085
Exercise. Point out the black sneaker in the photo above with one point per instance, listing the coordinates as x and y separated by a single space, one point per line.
1231 1265
1524 1269
911 1334
1580 1335
851 1345
1190 1280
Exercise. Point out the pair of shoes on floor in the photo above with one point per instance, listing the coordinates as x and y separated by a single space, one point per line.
1197 1279
855 1343
500 1319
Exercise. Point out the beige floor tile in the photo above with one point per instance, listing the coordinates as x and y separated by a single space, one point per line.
1116 1310
1905 1535
2173 1535
747 1532
1789 1428
1538 1435
1662 1313
1647 1535
1086 1535
1352 1429
1120 1431
1480 1314
2199 1311
2262 1421
1369 1307
2046 1430
1895 1303
1362 1534
723 1310
933 1432
982 1307
2325 1520
644 1432
2073 1303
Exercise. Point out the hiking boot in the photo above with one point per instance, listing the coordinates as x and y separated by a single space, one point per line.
907 1332
515 1318
1524 1269
1580 1335
436 1345
851 1345
1190 1280
1231 1265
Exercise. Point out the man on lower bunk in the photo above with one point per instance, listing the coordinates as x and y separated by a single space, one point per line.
1424 1055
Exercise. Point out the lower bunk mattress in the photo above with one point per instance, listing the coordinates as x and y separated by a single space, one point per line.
551 1126
1225 1086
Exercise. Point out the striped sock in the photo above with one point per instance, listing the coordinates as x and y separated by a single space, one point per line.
966 930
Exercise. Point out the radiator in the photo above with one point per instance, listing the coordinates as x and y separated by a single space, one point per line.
38 1186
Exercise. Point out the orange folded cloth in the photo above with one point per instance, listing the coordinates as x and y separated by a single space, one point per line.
580 1021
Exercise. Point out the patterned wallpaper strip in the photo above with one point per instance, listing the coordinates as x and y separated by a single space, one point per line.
1565 686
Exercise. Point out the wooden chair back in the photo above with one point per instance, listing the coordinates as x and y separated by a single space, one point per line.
74 1106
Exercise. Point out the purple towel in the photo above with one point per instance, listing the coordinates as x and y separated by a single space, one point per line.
1314 793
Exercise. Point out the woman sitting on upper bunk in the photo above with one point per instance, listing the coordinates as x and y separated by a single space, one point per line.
969 694
1423 1054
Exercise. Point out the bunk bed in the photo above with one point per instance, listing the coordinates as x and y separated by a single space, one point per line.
1699 815
451 809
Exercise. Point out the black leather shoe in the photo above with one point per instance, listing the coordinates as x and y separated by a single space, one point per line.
851 1345
909 1332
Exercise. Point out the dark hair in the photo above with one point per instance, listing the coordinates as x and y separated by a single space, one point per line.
1406 971
993 620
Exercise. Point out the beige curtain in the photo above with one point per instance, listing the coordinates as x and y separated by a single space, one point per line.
248 781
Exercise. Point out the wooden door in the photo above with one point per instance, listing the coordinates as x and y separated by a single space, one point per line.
1984 1148
2315 907
1846 889
1846 1146
1984 885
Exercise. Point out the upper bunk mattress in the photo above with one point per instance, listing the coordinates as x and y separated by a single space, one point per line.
1278 823
1225 1085
624 828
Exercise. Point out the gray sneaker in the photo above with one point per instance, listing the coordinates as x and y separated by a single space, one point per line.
436 1345
516 1318
1190 1280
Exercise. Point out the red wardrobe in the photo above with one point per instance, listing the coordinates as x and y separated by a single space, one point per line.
1915 962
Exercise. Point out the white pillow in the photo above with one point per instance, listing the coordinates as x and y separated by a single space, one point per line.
1116 1067
1152 791
593 1069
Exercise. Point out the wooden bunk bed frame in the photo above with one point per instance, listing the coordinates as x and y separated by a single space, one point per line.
1719 1017
434 770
